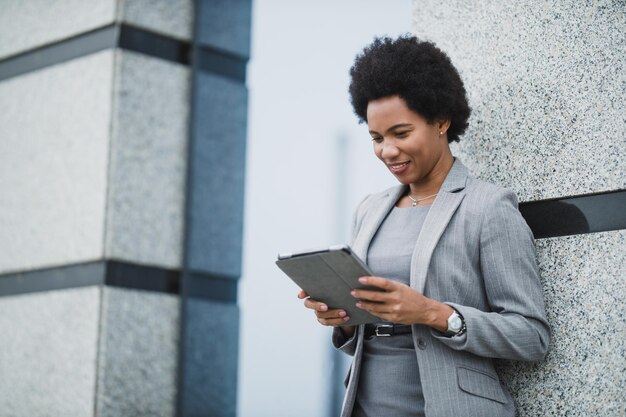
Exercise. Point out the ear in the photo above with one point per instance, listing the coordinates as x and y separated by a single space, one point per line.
443 125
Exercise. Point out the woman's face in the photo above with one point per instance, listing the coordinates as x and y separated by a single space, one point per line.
407 144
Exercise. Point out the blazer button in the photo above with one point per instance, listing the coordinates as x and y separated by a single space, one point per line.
421 344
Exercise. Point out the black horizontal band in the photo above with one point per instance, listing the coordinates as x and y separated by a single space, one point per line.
49 279
216 61
141 277
121 275
210 286
153 44
58 52
130 38
590 213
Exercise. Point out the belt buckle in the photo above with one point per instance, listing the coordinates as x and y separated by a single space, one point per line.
383 326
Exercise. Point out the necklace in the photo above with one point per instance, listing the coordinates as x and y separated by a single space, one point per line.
415 201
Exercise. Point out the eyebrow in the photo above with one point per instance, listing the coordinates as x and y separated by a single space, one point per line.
394 127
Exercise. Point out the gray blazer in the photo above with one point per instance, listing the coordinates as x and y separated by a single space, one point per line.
476 253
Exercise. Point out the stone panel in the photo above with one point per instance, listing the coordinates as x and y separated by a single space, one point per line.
147 179
172 18
219 159
55 125
225 24
137 365
48 353
583 374
28 24
546 82
211 353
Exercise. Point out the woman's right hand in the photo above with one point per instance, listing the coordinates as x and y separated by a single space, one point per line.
333 317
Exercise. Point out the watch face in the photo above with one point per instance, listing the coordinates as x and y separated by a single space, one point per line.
455 323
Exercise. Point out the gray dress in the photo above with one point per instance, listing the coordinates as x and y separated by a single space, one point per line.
389 383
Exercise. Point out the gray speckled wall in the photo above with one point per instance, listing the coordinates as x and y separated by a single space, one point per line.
546 82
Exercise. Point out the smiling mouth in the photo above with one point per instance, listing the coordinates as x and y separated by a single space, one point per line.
398 166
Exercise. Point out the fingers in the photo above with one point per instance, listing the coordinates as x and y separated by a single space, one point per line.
302 294
315 305
332 317
375 296
374 308
333 322
379 282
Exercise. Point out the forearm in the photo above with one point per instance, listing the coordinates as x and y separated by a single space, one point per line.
438 314
501 335
345 342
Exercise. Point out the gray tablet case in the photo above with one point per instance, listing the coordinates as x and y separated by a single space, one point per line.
328 275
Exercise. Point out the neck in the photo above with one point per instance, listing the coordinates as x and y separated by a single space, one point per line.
432 182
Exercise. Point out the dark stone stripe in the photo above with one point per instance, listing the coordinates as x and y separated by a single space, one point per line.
223 63
121 275
140 277
129 38
212 287
58 52
154 44
58 278
601 212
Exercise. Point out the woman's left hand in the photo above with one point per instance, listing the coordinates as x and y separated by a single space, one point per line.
401 304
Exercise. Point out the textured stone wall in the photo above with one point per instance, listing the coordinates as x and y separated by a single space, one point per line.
546 83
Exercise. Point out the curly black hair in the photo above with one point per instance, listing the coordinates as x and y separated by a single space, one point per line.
416 71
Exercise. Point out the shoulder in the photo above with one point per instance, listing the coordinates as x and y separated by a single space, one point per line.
496 209
486 195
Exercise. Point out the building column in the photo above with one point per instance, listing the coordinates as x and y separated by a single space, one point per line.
122 152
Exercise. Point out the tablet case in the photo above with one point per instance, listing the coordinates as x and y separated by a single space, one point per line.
329 275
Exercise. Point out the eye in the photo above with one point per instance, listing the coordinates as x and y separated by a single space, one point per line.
377 139
403 134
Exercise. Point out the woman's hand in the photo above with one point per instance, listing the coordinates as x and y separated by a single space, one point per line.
401 304
333 317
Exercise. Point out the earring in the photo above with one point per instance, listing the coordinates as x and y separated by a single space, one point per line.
440 133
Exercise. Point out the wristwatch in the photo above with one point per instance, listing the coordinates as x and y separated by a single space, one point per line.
456 324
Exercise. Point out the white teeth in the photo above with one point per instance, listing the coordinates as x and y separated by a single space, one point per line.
398 166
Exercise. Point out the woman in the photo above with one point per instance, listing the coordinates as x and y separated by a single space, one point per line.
452 253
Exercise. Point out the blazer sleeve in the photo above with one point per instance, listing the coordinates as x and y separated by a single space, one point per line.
344 344
516 327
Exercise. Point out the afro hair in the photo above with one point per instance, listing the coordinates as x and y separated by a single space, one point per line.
416 71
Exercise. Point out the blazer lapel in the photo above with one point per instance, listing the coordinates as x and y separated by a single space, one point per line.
373 219
447 201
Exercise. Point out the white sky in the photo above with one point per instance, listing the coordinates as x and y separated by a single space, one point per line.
299 106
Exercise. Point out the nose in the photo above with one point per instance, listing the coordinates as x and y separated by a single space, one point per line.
388 150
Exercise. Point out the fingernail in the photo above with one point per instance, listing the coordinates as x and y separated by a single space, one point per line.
342 313
346 318
323 307
358 305
353 293
363 280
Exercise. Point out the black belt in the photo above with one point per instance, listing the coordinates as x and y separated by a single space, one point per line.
381 330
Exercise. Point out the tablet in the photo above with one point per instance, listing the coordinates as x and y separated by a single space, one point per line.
328 275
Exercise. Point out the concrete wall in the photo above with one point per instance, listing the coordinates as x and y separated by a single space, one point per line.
546 83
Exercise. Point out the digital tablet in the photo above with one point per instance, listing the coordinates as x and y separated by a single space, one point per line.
329 275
